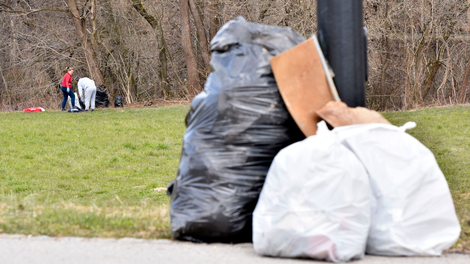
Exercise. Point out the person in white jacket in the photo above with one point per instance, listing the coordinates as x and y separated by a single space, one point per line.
87 89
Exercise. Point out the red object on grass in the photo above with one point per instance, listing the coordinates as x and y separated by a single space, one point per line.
34 109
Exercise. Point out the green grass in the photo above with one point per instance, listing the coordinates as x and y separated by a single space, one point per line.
104 173
89 174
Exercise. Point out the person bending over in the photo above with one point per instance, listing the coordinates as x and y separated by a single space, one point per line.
87 89
66 88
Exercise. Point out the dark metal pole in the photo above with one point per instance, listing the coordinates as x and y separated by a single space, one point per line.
341 37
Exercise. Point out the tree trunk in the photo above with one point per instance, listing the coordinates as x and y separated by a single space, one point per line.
122 72
385 60
14 48
80 27
6 86
463 89
93 22
383 74
205 53
434 68
214 17
189 56
163 71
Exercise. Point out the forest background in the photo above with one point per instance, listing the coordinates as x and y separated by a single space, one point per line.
159 50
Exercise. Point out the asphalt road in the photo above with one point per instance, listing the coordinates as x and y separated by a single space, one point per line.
18 249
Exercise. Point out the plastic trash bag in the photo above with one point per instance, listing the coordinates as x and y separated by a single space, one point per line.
315 202
235 127
82 103
76 110
413 212
77 102
118 101
101 98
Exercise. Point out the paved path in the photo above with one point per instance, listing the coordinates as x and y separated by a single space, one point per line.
18 249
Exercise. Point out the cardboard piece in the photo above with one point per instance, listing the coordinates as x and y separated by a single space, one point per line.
339 114
303 84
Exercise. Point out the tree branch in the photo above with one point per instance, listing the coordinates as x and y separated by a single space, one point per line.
32 11
140 8
4 4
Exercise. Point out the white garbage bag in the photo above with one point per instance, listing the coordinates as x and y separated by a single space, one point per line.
413 212
77 102
315 202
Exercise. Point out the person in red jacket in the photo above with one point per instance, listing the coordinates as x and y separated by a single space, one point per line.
66 88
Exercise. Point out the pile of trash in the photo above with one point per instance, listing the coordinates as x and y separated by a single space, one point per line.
102 98
367 188
247 173
235 127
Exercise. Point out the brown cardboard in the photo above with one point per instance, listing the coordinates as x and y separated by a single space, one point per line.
302 83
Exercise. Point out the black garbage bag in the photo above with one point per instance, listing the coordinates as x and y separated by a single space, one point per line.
118 101
82 103
102 98
234 129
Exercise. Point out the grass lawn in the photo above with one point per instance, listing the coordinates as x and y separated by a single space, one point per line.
104 173
89 174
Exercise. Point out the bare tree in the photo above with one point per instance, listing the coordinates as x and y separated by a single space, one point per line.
5 86
190 57
79 21
162 46
213 6
202 38
418 50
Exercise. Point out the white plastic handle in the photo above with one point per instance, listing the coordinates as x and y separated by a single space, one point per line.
408 125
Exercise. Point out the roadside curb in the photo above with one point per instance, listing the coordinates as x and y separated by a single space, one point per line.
21 249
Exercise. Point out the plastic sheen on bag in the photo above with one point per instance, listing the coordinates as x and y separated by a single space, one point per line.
77 102
413 212
118 101
101 98
235 127
315 202
82 103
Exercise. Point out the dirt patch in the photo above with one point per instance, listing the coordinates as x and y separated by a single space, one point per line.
465 195
159 189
